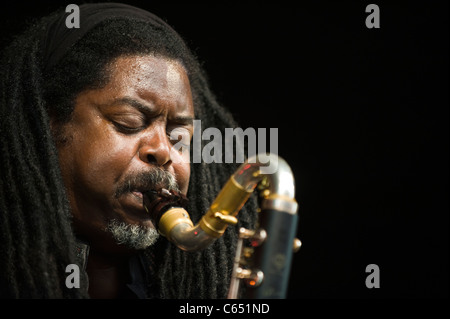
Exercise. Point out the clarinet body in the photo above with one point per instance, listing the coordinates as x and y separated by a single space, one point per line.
263 255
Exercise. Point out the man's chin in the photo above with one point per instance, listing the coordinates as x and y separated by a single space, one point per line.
132 236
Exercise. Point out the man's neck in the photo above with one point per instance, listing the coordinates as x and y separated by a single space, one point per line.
108 275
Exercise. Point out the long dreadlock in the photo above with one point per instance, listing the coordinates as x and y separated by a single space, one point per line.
37 241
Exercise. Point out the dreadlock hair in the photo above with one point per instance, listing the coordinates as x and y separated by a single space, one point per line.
37 241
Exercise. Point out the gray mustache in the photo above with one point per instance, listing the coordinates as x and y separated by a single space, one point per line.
145 181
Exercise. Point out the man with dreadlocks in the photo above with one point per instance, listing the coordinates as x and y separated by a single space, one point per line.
86 117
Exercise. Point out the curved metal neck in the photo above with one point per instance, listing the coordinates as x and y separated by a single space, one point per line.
276 189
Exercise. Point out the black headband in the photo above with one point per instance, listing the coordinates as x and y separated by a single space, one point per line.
58 39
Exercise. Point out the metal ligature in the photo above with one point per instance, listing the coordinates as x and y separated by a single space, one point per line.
263 255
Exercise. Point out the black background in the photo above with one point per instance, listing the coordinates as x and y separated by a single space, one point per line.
363 119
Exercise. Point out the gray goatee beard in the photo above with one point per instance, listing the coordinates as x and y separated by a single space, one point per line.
132 236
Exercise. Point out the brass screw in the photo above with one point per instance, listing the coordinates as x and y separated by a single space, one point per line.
265 193
297 244
264 183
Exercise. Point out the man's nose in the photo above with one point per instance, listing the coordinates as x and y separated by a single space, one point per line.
155 148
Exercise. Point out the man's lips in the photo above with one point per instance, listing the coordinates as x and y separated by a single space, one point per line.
133 203
137 194
132 210
137 198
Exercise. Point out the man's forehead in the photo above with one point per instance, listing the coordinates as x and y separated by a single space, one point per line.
149 84
149 75
148 67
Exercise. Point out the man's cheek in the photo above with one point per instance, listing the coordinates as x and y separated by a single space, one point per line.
100 169
183 173
180 153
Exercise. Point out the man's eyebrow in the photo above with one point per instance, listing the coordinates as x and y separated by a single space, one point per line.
144 108
134 103
186 120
